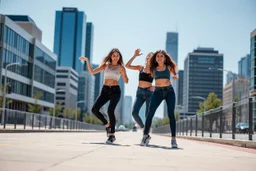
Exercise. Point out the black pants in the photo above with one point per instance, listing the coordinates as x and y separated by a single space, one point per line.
112 94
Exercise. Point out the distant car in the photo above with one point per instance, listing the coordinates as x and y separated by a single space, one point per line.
134 128
121 128
242 127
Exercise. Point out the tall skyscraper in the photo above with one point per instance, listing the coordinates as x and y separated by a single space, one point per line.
99 79
89 43
127 113
199 80
171 47
69 37
38 64
244 67
179 93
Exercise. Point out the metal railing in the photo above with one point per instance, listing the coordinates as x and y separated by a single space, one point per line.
234 121
20 120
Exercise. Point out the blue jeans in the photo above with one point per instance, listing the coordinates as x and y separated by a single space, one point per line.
160 94
142 95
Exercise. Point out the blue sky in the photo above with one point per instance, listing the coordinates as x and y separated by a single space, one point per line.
130 24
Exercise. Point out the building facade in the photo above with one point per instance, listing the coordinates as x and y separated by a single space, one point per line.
36 64
199 80
69 37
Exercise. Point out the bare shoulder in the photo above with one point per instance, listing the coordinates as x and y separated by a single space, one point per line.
103 66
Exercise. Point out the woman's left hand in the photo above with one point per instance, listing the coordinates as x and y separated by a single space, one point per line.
175 77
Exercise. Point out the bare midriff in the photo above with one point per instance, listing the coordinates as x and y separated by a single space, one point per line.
110 82
162 82
144 84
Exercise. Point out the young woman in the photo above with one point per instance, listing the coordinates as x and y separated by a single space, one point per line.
112 66
161 67
145 88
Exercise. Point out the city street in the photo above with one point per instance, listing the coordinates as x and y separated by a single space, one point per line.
88 151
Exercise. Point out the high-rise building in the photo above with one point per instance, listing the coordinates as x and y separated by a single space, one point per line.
253 63
99 79
244 67
36 73
127 113
69 37
89 43
253 73
86 85
179 93
199 80
66 87
171 47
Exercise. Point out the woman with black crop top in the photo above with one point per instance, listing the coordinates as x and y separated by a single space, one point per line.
145 88
161 67
113 68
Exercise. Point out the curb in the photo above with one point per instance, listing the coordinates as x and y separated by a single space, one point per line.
238 143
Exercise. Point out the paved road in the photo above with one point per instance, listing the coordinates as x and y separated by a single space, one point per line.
87 152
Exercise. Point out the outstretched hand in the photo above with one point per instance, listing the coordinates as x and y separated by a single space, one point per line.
82 58
137 52
175 77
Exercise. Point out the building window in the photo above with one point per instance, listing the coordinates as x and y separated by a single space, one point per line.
45 59
61 84
62 76
62 71
73 86
60 98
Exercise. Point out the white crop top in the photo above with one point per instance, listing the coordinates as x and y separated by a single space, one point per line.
111 74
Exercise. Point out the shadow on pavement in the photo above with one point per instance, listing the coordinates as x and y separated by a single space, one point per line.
101 143
159 146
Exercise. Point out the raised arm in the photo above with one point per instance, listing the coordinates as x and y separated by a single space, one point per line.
92 71
134 67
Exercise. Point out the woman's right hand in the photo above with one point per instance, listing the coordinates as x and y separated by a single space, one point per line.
137 52
82 58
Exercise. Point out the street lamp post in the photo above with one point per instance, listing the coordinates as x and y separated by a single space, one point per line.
199 97
4 93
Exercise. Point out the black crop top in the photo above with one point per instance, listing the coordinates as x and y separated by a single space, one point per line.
145 77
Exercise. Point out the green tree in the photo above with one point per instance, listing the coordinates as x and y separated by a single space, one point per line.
76 114
212 102
67 112
35 108
57 110
177 116
91 119
8 101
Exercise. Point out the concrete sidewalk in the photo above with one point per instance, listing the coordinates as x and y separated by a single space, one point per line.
88 151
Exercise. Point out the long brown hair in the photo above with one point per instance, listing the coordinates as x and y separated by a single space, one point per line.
108 59
168 62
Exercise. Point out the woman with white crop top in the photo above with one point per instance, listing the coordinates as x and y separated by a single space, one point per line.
113 68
